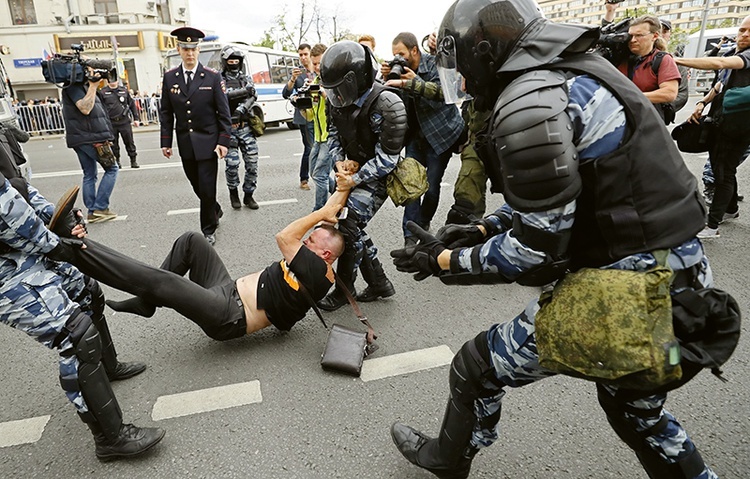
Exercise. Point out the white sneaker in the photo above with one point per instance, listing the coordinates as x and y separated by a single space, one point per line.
708 233
730 216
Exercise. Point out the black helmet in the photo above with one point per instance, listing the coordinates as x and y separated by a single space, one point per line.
346 72
476 36
234 53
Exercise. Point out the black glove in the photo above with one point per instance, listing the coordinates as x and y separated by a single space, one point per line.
421 258
460 236
65 250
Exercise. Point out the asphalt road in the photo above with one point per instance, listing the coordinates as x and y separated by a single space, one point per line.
314 424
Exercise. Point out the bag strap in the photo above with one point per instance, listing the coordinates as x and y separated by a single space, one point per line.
371 336
309 299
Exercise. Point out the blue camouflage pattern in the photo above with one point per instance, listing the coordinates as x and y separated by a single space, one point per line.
512 344
37 294
248 146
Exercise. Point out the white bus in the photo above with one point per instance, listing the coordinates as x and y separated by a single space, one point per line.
711 38
269 69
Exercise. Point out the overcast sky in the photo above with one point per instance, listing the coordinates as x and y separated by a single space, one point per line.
384 19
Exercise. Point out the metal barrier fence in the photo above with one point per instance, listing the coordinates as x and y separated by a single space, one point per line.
46 117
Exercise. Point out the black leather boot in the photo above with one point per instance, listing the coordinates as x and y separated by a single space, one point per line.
450 455
129 442
134 162
378 284
234 198
250 202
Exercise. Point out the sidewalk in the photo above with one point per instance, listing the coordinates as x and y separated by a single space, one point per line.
151 127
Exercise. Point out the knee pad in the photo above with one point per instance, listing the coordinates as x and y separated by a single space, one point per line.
471 375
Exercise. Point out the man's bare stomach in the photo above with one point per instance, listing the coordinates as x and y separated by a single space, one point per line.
247 288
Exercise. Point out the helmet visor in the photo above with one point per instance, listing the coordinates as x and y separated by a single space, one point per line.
344 93
451 81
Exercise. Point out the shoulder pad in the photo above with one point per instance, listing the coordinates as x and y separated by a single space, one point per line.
209 69
393 129
172 69
533 137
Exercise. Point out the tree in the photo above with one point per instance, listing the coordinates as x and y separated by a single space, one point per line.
305 23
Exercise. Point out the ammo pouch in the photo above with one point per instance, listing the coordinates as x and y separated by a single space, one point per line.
104 154
407 182
610 326
257 125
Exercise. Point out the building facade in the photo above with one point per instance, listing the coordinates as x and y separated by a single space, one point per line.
33 29
684 14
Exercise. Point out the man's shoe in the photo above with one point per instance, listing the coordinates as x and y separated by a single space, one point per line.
103 215
211 239
130 442
334 300
59 224
410 241
708 233
409 441
234 198
303 185
371 293
740 197
126 371
730 216
134 163
119 165
250 202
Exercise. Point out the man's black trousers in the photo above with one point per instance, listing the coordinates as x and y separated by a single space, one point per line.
209 298
125 130
202 177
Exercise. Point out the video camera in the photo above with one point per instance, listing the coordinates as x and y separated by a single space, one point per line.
304 96
72 69
613 42
398 65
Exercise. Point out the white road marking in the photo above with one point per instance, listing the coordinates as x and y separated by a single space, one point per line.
120 218
60 174
24 431
205 400
445 185
404 363
260 203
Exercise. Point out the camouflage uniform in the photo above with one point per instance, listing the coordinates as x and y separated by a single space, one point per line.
37 294
512 345
246 144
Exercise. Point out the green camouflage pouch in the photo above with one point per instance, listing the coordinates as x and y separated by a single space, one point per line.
257 126
407 182
610 326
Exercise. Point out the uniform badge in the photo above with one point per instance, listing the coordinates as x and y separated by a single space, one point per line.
175 89
223 86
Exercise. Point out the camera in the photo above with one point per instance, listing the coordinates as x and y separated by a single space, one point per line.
613 41
304 96
72 69
398 66
615 1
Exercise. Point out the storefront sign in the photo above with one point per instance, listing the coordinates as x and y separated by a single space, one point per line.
167 42
101 42
27 62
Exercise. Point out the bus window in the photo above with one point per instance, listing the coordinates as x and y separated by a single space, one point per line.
257 64
280 70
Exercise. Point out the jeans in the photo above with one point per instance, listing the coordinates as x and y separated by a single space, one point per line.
321 165
308 134
422 210
95 199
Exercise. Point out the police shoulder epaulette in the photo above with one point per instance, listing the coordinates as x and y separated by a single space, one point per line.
209 69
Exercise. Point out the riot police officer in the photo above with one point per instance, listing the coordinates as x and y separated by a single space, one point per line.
122 113
368 124
241 96
582 190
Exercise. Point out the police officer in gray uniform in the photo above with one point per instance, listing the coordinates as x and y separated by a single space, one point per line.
368 124
122 112
58 306
241 96
569 143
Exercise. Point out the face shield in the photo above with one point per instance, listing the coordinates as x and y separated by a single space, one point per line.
447 65
343 93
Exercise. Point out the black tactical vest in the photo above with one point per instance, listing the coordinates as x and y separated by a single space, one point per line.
83 129
235 83
639 198
353 124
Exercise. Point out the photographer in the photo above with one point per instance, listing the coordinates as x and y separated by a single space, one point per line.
652 70
88 133
298 79
434 127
